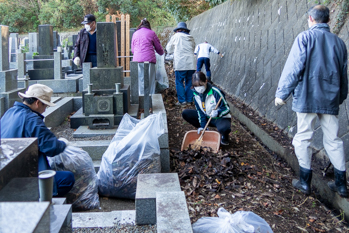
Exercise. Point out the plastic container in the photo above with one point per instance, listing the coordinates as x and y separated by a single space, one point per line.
210 139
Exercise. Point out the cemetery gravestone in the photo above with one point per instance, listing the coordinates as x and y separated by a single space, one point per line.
8 78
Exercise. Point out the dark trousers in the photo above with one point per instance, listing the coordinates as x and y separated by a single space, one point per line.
65 181
222 124
92 59
201 62
184 93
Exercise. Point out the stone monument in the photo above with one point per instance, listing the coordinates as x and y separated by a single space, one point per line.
8 78
105 97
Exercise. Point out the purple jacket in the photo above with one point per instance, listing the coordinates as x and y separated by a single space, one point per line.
144 41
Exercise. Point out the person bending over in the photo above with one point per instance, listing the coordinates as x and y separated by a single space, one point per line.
206 98
25 120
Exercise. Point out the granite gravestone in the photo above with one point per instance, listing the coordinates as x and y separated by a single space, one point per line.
8 78
14 43
43 69
45 40
107 98
55 40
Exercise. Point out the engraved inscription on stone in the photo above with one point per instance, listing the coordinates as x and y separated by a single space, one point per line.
103 105
105 56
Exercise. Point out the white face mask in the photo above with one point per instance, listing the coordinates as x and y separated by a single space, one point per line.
87 27
200 89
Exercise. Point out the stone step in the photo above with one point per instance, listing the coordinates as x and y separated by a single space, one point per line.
103 219
95 149
21 161
147 187
25 189
61 218
96 165
83 131
172 213
25 217
21 190
26 192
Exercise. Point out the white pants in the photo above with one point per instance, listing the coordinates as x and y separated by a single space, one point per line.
152 75
332 143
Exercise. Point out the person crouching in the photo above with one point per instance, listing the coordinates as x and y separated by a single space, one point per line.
206 98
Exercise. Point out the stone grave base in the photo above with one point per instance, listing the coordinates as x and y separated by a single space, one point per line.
68 85
9 99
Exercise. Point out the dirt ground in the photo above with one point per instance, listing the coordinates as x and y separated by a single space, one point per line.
243 176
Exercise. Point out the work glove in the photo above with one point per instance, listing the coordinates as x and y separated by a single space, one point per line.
67 143
201 129
279 101
214 113
77 61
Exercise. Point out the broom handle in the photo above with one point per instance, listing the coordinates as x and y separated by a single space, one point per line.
209 120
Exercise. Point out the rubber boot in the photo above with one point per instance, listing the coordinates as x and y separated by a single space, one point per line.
304 181
340 183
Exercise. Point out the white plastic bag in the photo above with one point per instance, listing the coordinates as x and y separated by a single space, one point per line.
84 194
169 57
161 75
239 222
133 150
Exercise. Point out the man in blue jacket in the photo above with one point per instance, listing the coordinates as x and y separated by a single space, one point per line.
316 74
25 120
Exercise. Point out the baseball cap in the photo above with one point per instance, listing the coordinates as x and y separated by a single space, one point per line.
88 19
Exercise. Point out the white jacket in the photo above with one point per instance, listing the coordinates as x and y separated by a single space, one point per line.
204 50
182 46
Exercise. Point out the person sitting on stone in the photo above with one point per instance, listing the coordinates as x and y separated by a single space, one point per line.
25 120
206 98
86 43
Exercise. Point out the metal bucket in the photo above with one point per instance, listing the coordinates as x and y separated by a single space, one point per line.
46 185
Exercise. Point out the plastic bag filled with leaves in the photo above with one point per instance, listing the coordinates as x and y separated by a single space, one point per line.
133 150
84 194
239 222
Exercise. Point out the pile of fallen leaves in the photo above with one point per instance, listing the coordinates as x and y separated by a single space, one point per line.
242 176
202 171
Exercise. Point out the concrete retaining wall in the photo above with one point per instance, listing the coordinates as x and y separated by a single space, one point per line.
256 37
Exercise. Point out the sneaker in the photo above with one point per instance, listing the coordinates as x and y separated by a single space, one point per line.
189 103
224 141
178 103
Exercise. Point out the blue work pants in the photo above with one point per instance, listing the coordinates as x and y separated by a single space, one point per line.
201 62
65 181
183 85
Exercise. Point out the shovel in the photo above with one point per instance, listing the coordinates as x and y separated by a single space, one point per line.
212 139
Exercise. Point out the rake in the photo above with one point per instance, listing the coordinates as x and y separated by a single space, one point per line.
198 142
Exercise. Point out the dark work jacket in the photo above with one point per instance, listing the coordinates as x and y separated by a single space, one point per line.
22 122
315 72
81 45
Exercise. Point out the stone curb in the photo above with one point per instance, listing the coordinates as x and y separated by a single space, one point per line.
332 198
